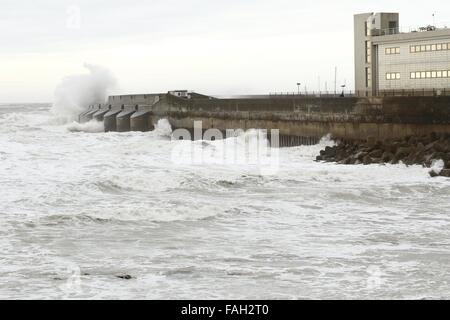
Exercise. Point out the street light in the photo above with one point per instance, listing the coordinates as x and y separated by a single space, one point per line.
343 88
298 86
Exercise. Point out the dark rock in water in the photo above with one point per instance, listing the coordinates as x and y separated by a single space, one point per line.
367 160
125 277
433 173
394 160
403 152
440 146
423 150
360 155
420 146
347 160
330 152
377 153
430 146
388 147
445 173
387 156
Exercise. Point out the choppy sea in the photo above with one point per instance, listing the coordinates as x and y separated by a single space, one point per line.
81 211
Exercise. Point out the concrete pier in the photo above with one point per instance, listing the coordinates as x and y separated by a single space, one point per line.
142 120
109 119
81 117
123 121
101 113
90 115
299 119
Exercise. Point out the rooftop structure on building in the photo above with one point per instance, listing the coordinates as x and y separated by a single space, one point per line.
389 58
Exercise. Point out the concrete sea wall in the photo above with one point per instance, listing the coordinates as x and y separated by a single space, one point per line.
299 119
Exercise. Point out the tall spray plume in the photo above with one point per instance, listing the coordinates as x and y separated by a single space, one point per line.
76 92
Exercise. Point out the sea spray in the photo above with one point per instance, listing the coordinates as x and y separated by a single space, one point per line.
437 166
163 128
92 126
76 92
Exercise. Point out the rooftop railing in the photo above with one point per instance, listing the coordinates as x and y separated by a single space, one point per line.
390 31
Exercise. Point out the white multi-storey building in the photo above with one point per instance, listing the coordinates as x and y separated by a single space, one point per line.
387 60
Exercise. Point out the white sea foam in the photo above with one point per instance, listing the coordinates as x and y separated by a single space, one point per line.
77 210
91 126
163 128
437 166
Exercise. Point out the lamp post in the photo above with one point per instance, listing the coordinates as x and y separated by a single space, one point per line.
343 88
298 87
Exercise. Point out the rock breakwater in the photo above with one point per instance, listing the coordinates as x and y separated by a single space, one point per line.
431 151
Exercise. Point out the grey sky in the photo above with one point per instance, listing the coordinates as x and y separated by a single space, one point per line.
215 47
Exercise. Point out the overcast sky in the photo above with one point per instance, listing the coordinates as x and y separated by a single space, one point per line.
213 47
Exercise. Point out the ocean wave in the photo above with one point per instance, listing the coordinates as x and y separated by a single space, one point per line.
92 126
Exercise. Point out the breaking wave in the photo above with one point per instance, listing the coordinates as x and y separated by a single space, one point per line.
76 92
92 126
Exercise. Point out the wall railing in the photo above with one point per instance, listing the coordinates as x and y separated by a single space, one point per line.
436 92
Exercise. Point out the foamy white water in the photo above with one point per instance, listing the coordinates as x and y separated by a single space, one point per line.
80 207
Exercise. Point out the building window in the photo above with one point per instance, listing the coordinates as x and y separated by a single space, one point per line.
393 76
430 74
429 47
392 50
368 52
368 77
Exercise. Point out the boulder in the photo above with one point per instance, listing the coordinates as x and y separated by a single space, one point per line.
330 152
440 146
367 160
360 155
433 174
420 146
445 173
403 152
387 156
377 153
